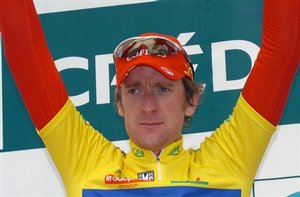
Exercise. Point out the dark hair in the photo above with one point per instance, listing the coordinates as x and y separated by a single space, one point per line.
191 88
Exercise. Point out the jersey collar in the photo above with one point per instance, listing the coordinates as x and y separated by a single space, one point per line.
168 153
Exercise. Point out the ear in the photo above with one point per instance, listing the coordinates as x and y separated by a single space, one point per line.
119 104
190 109
120 109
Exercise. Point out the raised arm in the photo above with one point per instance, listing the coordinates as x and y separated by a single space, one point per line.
30 61
268 85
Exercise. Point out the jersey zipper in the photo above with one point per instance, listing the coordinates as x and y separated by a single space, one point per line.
158 166
158 169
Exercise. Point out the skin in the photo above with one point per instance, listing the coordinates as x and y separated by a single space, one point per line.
153 108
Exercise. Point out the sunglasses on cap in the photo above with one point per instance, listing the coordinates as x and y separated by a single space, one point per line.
157 48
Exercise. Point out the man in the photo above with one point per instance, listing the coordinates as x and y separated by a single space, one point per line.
155 94
153 98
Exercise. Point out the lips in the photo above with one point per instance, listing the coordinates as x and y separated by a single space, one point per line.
150 124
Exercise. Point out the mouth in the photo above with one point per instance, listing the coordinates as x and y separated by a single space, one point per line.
150 124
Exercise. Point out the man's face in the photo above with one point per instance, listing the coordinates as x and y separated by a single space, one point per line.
153 108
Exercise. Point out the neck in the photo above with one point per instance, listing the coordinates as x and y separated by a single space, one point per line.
156 152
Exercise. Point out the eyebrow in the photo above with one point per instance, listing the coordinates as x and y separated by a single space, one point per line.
157 84
164 84
135 84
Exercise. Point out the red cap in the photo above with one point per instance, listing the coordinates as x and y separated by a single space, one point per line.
173 67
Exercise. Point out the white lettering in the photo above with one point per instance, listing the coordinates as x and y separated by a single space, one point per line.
111 179
104 61
183 38
102 78
75 63
138 54
132 57
108 178
145 176
220 82
143 52
149 176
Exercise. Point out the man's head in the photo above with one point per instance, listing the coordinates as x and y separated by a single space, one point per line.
156 92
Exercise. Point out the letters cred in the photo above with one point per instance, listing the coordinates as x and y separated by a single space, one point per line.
102 84
103 62
75 63
220 82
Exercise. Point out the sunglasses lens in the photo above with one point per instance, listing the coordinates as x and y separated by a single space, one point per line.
148 46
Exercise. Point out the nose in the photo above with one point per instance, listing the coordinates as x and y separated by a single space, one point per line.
149 102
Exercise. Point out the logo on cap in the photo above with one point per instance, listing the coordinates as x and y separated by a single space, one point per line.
138 54
189 72
168 71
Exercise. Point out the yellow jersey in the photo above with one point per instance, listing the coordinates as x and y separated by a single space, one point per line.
224 165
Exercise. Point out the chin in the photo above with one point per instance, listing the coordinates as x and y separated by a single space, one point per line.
153 144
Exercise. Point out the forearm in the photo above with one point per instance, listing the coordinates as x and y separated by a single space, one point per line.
30 61
268 85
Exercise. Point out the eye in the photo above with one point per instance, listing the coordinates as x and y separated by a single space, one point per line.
163 89
132 91
135 90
